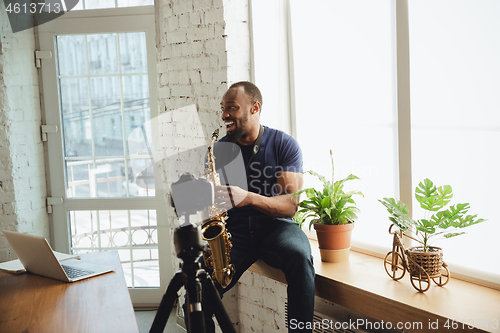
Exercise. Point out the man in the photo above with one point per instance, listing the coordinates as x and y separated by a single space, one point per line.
260 209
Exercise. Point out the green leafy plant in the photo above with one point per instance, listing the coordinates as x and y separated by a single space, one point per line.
438 219
331 206
300 219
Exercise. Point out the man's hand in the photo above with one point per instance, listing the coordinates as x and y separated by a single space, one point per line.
282 205
230 196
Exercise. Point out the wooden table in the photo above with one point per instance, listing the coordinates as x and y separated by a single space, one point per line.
32 303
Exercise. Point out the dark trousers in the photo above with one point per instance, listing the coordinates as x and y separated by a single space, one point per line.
281 244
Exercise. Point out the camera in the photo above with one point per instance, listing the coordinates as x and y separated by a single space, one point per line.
191 195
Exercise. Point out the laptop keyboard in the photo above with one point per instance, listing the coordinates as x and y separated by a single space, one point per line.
73 272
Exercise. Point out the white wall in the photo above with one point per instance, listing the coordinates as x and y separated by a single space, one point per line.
22 172
203 46
261 304
193 68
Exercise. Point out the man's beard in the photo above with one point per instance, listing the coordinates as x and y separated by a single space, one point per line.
239 131
235 135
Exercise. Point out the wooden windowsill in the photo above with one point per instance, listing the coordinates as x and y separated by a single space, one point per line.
362 284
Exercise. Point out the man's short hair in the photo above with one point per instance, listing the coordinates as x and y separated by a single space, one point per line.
251 90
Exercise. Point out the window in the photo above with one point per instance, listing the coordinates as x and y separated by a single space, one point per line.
455 108
100 90
132 233
344 101
342 91
99 4
271 62
101 99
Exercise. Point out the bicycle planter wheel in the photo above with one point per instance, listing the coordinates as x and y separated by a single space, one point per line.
443 277
394 265
420 280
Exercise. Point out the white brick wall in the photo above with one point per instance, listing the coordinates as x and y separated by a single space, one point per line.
204 45
186 43
22 172
192 69
261 304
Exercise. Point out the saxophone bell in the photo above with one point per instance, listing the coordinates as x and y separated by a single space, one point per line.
218 257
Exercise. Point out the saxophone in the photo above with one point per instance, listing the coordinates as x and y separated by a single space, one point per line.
214 231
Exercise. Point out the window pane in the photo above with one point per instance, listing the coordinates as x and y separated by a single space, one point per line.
71 55
138 134
136 108
271 66
76 117
107 179
133 52
77 175
97 4
102 54
133 3
344 95
141 177
455 49
107 149
107 115
133 233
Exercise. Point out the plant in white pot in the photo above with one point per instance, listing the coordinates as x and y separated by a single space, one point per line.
438 220
332 212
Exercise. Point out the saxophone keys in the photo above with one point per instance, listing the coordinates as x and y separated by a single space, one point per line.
207 257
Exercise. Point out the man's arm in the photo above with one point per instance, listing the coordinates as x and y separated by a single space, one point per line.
282 205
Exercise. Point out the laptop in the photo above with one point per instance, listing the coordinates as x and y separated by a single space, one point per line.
37 257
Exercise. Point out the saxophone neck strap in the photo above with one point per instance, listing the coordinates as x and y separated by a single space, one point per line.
256 144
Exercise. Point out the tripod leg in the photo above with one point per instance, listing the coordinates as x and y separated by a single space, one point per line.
167 302
212 296
195 318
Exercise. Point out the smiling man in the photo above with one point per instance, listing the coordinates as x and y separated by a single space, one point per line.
261 207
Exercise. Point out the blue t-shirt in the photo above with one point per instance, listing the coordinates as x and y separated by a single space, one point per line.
257 173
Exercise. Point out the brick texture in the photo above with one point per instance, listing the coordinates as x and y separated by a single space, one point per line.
22 172
261 304
186 43
192 68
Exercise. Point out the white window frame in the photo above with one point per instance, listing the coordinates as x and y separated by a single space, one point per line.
112 20
402 50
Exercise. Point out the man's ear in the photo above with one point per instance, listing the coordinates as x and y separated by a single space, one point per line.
256 107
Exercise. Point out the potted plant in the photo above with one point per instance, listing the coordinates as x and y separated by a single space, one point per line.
437 221
332 212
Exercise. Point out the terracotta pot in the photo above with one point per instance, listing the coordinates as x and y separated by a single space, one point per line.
334 241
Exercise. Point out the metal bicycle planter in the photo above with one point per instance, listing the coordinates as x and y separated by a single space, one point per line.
400 260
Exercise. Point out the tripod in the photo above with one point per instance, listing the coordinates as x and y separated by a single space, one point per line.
197 283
